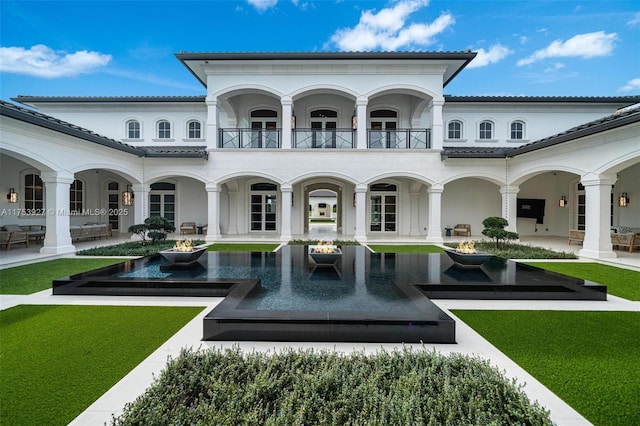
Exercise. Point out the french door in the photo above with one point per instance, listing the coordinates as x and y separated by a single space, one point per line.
324 123
263 212
163 204
383 208
264 134
113 204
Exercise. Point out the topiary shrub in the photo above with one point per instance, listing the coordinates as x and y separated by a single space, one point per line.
155 227
494 228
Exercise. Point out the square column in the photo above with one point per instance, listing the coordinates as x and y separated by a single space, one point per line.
213 212
287 112
57 239
510 206
361 213
361 116
437 131
211 135
285 215
434 230
597 236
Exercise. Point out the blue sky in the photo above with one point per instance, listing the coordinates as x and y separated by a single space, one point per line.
110 48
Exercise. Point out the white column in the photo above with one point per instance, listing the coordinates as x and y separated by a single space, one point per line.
437 133
287 111
597 237
361 213
57 239
212 124
361 116
140 203
414 211
285 214
213 212
434 232
233 212
510 205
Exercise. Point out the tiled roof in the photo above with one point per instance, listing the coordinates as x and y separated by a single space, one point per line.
27 99
187 56
468 152
16 112
629 100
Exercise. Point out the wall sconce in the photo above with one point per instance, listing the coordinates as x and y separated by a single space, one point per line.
563 201
623 201
127 197
293 122
354 122
12 196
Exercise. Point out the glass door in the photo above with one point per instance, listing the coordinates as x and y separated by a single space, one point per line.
383 213
263 212
324 124
163 204
113 204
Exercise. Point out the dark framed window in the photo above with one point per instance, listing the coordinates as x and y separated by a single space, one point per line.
486 130
133 129
517 130
164 129
454 130
76 196
33 192
194 129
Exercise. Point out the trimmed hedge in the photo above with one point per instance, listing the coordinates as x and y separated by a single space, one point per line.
305 387
133 248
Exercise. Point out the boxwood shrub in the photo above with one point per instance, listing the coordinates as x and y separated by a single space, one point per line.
229 387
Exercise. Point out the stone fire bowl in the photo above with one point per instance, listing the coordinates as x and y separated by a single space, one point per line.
183 256
326 258
468 259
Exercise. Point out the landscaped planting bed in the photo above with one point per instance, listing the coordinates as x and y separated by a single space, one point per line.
294 388
133 248
589 359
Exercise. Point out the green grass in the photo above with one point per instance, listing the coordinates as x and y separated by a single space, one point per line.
36 277
243 247
388 248
589 359
619 281
133 248
57 360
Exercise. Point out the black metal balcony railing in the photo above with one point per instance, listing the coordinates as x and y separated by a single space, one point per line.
316 138
249 138
332 138
399 139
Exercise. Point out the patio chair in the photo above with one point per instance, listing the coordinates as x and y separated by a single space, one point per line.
187 228
16 236
463 229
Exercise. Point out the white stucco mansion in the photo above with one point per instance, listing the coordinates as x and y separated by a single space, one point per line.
376 129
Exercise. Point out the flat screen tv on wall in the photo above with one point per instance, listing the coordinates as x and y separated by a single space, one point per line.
531 208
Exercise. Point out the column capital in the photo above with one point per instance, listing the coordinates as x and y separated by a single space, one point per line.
140 187
62 176
286 100
593 179
509 189
436 102
361 188
212 187
436 188
362 100
286 187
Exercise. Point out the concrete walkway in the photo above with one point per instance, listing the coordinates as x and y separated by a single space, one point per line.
469 342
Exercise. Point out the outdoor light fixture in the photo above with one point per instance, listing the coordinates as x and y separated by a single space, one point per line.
563 201
12 196
623 201
127 197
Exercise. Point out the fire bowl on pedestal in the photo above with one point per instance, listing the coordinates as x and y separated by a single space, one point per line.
468 259
324 255
182 257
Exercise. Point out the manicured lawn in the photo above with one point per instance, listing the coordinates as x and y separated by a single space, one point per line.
387 248
243 247
589 359
57 360
36 277
620 282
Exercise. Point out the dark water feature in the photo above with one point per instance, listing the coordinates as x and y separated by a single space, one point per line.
362 297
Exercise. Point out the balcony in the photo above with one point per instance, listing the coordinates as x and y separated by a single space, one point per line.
249 138
399 139
316 138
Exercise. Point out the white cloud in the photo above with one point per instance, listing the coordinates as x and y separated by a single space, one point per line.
633 84
496 53
388 29
585 46
262 5
42 61
555 67
635 20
